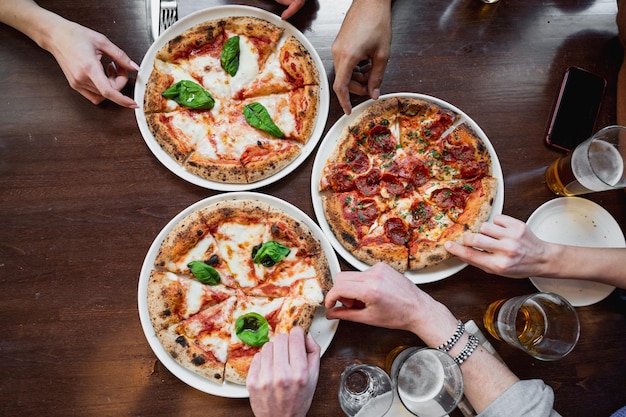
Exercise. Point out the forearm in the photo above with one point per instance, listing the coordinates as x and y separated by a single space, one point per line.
486 378
30 19
606 265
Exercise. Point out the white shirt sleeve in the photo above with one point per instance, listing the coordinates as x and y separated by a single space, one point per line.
527 398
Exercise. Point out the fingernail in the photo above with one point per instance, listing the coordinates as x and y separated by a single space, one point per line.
376 93
135 66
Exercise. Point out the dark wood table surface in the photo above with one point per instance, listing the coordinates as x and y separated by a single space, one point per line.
82 198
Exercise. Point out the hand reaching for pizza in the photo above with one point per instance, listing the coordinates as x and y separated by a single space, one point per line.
505 247
77 49
284 374
365 36
292 7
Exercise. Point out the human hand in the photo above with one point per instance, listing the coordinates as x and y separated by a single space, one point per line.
379 296
283 376
79 51
365 35
292 7
505 247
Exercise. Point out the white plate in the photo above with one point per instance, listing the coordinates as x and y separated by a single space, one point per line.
322 330
578 222
203 16
430 274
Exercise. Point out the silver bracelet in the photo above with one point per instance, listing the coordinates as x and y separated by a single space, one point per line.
447 345
472 344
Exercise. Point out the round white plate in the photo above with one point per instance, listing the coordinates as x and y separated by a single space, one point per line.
322 330
203 16
430 274
578 222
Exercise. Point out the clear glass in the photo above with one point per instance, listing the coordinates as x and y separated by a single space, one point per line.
428 381
544 325
365 391
597 164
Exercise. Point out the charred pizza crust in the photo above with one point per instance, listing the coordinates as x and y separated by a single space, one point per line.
195 321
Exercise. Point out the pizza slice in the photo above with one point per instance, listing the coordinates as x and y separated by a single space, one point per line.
200 343
293 113
422 124
463 156
255 322
448 210
292 68
173 297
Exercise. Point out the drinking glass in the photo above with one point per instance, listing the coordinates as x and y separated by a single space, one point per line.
365 391
597 164
428 381
544 325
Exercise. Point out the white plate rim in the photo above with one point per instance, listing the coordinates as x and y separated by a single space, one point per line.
563 286
216 13
322 329
430 274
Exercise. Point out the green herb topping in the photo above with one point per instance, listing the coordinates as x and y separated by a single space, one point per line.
204 273
252 329
269 253
257 116
230 56
190 94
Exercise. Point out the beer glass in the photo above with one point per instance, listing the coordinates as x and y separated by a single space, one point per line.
544 325
365 390
597 164
428 381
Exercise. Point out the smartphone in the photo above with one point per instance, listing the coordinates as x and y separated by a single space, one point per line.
575 109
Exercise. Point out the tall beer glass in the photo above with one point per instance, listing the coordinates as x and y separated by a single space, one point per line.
597 164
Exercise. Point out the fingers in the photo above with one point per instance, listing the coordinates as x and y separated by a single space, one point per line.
291 10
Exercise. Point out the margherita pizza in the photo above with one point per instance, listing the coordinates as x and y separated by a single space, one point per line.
405 177
233 100
229 277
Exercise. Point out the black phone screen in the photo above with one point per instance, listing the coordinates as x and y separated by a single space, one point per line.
575 109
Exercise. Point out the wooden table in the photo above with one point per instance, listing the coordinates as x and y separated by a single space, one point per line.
82 198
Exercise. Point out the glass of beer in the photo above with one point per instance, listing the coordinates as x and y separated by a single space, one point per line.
597 164
428 381
365 390
544 325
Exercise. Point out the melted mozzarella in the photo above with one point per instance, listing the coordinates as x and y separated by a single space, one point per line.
235 243
248 65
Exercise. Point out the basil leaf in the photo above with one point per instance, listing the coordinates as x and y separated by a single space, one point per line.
230 56
269 253
252 329
204 273
190 94
257 116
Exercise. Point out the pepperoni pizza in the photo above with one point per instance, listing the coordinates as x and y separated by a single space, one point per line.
405 177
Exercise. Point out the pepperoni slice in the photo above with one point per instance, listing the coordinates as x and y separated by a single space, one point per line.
421 214
362 212
380 140
396 231
358 160
342 179
450 197
392 185
460 153
420 174
369 184
437 127
473 169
